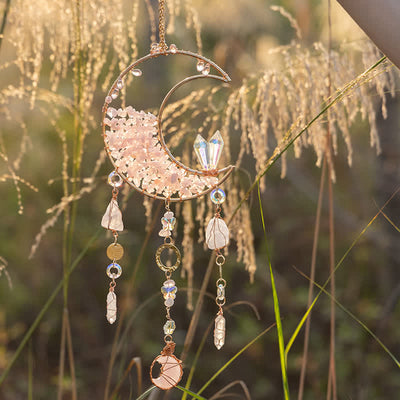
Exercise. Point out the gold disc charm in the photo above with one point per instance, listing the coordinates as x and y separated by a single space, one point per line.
161 265
115 251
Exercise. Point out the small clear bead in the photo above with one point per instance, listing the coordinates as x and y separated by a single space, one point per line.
136 72
108 99
220 292
120 84
218 196
114 94
206 69
169 302
200 66
169 327
173 48
115 180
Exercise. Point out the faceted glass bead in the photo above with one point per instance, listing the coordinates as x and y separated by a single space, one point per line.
169 327
169 291
217 196
108 99
215 146
220 292
168 223
114 94
200 66
136 72
173 48
169 283
206 69
120 84
114 180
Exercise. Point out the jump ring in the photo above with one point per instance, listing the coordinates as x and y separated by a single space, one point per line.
220 260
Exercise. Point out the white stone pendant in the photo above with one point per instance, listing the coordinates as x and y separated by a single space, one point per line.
111 307
219 331
112 218
217 234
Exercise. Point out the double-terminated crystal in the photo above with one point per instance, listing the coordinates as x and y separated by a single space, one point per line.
219 331
209 153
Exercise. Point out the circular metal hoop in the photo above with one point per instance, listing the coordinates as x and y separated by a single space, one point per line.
161 265
115 88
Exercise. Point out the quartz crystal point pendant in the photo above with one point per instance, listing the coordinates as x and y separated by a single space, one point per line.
219 331
112 218
217 234
210 152
111 307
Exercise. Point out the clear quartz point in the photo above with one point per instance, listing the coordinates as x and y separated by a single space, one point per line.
111 307
219 331
209 153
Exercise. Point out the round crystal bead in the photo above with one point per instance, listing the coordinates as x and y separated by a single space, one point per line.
114 180
169 302
108 99
120 84
200 66
173 48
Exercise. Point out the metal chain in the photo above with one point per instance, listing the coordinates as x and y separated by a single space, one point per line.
161 25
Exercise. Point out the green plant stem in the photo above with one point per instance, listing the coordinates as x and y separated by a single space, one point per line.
46 307
276 309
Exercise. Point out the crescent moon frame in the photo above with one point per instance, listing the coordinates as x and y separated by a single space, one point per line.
224 77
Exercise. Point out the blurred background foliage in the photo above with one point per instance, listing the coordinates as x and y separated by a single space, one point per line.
38 117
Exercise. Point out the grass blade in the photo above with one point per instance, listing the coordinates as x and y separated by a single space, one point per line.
276 310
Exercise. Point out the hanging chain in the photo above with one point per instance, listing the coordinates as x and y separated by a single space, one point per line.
161 25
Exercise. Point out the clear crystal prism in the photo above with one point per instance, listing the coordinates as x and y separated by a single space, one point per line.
209 153
215 146
201 150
